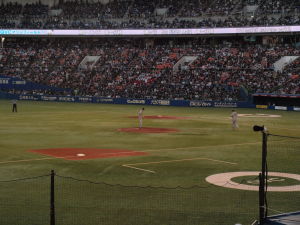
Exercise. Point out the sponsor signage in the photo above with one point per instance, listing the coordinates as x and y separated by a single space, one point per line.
296 108
28 97
105 100
136 101
200 104
225 104
281 107
151 32
85 99
66 99
261 106
48 98
19 82
160 102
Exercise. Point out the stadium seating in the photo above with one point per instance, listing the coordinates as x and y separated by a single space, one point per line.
125 69
154 14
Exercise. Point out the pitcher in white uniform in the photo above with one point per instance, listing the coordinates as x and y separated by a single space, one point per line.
140 117
234 119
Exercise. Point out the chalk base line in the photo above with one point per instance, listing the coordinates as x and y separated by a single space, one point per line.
133 166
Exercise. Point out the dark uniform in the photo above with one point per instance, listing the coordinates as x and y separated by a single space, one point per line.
14 105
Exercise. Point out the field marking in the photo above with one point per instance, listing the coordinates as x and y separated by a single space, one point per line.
133 165
37 159
136 168
224 180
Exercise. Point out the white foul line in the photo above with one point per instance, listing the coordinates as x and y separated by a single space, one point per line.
38 159
136 168
169 161
28 160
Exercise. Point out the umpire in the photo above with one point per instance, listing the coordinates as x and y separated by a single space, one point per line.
14 105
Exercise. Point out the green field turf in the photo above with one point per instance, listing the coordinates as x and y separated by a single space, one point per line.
175 192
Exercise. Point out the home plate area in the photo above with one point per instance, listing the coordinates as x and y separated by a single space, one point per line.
86 153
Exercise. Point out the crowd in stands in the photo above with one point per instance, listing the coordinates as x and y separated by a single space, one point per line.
149 14
292 85
35 10
221 7
10 9
278 6
137 70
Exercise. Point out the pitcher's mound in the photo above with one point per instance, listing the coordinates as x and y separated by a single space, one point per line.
148 130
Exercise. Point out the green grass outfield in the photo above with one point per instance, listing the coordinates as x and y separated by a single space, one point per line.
205 145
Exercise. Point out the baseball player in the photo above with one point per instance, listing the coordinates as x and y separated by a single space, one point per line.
234 119
14 105
140 117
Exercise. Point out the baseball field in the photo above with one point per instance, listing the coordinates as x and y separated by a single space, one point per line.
110 172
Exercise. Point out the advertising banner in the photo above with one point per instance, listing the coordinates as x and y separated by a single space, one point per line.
103 100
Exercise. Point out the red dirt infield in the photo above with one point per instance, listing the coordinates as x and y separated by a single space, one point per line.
163 117
86 153
148 130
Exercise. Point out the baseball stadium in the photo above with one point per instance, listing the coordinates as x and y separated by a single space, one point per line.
161 112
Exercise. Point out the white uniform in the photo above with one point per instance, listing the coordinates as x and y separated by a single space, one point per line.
140 116
234 117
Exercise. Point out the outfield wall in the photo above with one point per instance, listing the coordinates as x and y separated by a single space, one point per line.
131 101
184 103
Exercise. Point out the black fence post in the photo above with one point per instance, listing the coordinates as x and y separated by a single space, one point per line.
52 199
261 200
263 180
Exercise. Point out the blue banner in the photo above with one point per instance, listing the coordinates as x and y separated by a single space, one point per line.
9 83
184 103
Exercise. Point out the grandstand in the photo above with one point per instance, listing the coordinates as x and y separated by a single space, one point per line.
157 14
215 72
194 53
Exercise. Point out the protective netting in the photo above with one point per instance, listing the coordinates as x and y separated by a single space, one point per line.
100 203
283 156
81 202
25 201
